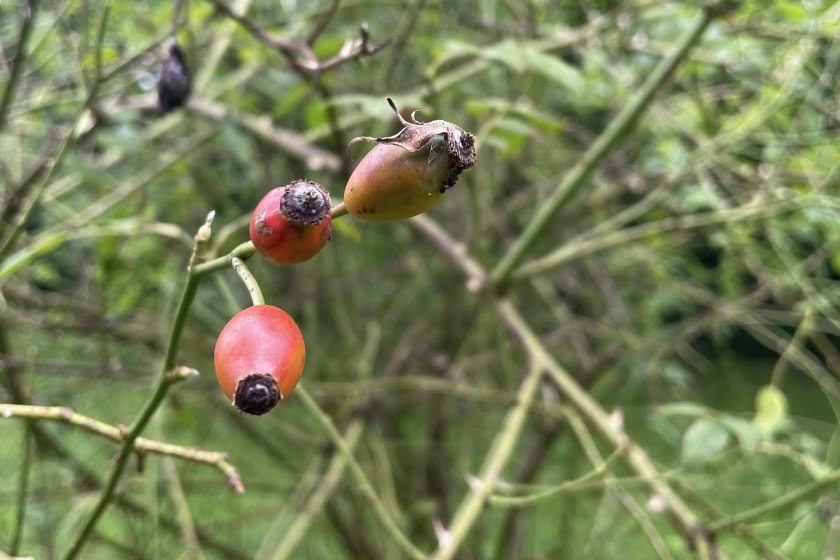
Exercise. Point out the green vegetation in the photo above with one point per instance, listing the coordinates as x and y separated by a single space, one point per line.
615 337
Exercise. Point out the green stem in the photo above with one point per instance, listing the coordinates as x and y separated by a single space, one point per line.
28 11
635 456
23 489
242 251
339 210
358 473
590 244
165 380
497 458
592 411
248 279
596 153
326 486
579 483
781 502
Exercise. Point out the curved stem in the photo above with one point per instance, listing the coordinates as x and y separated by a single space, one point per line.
248 279
242 251
784 501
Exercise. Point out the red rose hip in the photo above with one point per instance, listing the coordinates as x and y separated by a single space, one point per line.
292 223
259 358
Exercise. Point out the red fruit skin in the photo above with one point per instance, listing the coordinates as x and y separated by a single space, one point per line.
260 339
282 240
392 183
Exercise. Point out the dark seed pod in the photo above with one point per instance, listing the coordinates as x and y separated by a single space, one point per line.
174 81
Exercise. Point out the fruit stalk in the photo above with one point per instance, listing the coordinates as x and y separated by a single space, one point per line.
248 279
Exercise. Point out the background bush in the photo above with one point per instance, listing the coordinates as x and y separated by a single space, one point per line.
690 285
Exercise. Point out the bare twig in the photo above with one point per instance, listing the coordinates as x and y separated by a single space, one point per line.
352 50
141 445
299 55
287 47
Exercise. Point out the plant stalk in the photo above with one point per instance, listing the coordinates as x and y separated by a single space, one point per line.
617 129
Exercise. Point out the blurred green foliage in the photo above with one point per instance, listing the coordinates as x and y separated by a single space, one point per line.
694 288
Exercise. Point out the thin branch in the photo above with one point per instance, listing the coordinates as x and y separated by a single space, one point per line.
365 487
589 161
454 251
28 11
242 251
186 524
289 141
165 381
299 55
334 474
568 486
500 450
288 47
352 50
23 488
641 516
782 502
141 445
588 244
686 520
322 23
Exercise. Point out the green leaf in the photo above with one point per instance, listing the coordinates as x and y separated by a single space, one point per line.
745 432
521 58
770 410
703 440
